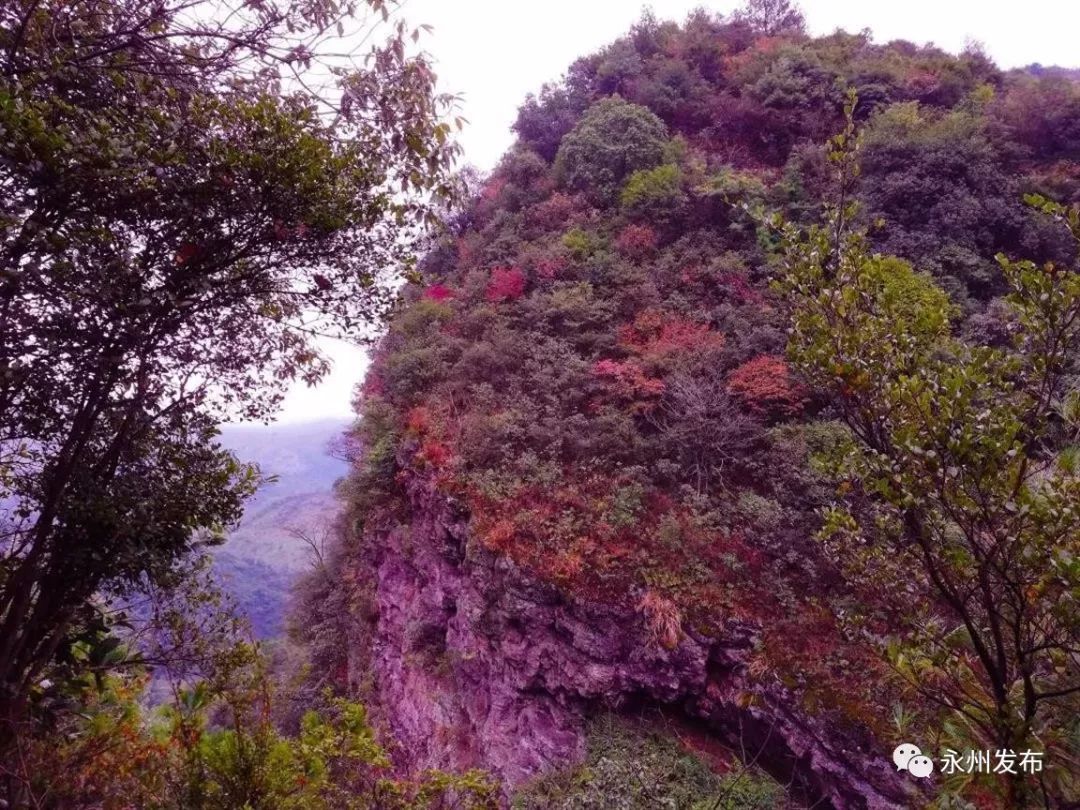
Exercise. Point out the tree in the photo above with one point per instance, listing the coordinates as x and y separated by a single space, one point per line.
938 187
612 140
959 530
186 204
772 17
506 284
543 121
765 385
1043 113
654 195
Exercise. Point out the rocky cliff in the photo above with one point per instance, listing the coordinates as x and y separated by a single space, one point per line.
478 664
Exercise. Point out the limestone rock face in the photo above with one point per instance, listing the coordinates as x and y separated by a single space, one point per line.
476 664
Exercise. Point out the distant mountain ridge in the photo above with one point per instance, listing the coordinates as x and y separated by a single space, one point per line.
1036 69
264 555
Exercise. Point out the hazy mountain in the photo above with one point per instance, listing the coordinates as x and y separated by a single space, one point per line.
263 555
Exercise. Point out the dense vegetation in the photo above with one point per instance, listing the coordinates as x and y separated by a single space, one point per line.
191 192
686 350
958 487
226 734
640 766
595 367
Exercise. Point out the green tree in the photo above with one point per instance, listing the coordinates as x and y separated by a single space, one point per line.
958 530
191 193
772 17
654 195
613 139
938 186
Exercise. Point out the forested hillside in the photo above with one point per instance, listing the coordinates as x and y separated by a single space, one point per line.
719 450
591 479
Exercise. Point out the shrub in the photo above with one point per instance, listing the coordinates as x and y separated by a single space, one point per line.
658 337
580 244
612 139
550 266
438 292
766 386
662 617
554 212
1043 113
653 191
939 184
525 178
632 766
506 284
636 241
629 382
434 453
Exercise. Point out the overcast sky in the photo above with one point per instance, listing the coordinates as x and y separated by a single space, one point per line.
493 52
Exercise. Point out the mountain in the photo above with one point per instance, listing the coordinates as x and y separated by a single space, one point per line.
264 555
591 481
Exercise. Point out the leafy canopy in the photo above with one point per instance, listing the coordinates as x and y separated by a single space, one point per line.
192 191
613 139
960 481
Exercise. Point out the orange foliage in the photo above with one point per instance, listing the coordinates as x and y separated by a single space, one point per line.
922 82
110 762
662 617
418 420
629 382
807 645
570 535
766 385
657 337
434 453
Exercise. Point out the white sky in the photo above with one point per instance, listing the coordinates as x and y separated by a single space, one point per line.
493 52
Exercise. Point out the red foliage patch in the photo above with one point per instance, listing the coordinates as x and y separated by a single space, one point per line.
922 83
418 420
760 46
554 212
656 336
434 453
438 292
577 535
186 252
740 288
629 382
506 284
636 241
767 387
551 267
